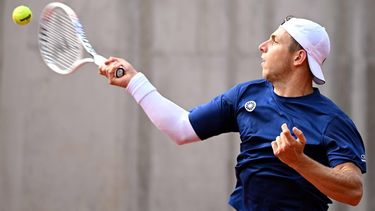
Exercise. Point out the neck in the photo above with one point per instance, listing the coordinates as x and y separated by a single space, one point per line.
293 88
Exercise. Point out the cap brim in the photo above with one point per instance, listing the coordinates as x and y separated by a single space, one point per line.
316 70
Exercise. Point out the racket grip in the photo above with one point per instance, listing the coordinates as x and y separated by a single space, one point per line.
120 72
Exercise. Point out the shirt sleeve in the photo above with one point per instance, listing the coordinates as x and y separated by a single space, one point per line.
217 116
344 143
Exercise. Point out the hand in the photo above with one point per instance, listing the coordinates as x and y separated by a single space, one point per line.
288 149
109 69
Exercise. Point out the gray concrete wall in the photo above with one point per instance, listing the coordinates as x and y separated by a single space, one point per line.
75 143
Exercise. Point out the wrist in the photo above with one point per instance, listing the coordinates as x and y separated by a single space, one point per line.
139 87
130 76
302 163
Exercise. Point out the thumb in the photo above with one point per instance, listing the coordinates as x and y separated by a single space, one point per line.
299 135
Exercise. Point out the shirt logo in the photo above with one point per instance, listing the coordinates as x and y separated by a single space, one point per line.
250 105
363 158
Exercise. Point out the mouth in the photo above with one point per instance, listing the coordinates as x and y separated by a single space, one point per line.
262 61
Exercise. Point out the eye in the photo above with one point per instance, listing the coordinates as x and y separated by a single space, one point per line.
273 40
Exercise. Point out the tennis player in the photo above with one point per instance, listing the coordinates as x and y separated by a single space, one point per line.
298 149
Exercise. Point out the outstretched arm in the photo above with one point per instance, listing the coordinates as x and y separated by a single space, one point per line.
342 183
168 117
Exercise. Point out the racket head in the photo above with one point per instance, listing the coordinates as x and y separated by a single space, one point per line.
59 43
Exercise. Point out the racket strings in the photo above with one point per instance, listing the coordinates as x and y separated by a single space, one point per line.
59 44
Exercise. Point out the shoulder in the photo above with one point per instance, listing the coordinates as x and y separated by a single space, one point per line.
332 108
255 83
246 88
338 119
252 85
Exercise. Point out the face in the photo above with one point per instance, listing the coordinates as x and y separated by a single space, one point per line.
276 57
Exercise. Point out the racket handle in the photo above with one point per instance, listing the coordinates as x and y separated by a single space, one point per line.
120 72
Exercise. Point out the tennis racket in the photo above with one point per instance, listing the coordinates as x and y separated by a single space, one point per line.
62 41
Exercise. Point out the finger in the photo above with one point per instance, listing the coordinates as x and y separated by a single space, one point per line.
275 147
282 142
111 72
110 69
278 140
286 133
115 67
111 76
299 135
284 127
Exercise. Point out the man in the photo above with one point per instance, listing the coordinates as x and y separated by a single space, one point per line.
298 149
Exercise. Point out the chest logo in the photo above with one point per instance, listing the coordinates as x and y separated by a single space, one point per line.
250 105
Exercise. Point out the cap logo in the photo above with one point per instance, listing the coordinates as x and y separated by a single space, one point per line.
250 105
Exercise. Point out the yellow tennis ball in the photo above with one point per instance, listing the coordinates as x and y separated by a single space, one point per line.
22 15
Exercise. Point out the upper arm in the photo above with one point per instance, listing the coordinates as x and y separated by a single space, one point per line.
216 116
344 144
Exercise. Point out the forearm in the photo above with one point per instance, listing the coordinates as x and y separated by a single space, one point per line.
168 117
342 183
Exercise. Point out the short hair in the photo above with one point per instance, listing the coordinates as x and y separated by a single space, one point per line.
294 45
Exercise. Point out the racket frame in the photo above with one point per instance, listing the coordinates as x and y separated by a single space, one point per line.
81 36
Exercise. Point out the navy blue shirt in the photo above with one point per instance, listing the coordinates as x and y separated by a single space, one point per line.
257 113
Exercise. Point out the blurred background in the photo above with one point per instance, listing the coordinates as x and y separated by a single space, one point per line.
76 143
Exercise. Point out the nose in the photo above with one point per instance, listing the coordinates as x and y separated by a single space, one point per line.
263 47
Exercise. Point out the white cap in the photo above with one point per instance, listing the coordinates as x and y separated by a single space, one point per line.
314 39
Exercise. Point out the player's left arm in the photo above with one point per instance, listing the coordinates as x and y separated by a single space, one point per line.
342 183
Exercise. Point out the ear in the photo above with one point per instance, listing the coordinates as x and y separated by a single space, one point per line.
300 57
